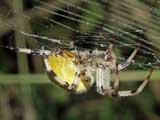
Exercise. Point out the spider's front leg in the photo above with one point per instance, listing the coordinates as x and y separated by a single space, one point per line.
137 91
129 60
111 57
28 51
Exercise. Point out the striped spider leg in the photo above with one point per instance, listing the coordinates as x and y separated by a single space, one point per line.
124 65
129 60
126 93
63 68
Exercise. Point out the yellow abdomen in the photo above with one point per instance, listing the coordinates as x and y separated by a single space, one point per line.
65 69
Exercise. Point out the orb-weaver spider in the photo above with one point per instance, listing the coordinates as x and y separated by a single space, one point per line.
73 70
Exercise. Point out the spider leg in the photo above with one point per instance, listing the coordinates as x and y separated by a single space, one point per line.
75 82
116 81
28 51
139 89
103 81
87 77
83 74
84 77
111 91
129 60
99 83
110 47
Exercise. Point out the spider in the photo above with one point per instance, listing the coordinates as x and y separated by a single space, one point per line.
73 70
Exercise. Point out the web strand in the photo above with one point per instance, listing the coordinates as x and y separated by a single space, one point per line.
130 40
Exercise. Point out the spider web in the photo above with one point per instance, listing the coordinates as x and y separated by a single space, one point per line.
94 24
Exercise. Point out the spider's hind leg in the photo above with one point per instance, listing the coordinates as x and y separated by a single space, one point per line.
138 90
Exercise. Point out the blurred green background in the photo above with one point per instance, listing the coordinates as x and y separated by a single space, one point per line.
25 91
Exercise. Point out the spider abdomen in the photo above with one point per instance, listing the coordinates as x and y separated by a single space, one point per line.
64 68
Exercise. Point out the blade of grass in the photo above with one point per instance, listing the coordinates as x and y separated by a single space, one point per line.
125 76
25 91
